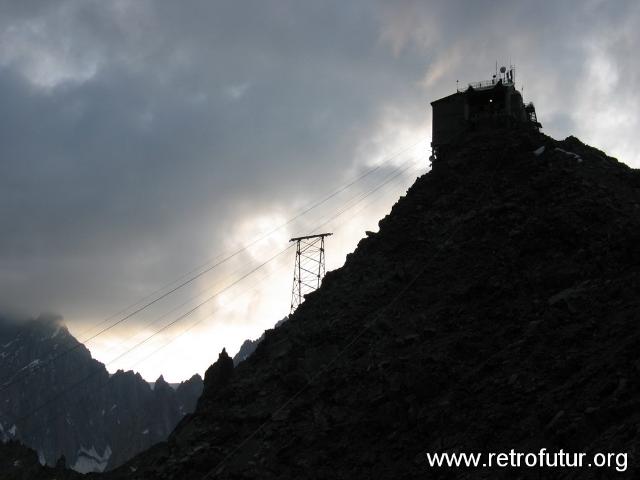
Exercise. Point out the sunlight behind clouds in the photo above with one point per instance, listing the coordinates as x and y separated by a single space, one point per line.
141 139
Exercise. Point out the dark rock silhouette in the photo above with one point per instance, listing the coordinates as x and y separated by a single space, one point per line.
495 309
249 346
18 462
246 349
219 374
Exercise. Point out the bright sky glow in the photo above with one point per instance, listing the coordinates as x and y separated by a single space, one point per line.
141 139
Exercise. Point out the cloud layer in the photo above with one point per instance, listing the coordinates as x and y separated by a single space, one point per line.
139 138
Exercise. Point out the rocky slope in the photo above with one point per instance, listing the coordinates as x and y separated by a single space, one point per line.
495 309
249 346
18 462
95 424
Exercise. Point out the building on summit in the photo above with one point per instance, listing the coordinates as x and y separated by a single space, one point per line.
483 105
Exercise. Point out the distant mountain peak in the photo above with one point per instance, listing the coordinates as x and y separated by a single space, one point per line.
120 414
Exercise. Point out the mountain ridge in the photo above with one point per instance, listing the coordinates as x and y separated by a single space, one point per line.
493 310
504 244
64 402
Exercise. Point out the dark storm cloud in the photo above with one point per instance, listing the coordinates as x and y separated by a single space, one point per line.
127 129
134 135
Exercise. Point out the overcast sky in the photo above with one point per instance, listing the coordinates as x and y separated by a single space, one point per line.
140 139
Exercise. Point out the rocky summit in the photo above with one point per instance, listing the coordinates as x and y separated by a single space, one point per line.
496 308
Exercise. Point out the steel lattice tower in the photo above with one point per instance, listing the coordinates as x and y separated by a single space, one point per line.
309 267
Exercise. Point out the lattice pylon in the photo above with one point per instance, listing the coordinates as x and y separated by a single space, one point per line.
309 268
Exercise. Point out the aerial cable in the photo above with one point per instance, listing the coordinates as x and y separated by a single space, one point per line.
395 173
327 366
192 278
222 258
391 176
388 179
113 360
96 372
83 380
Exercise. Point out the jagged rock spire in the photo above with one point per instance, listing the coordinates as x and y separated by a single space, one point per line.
219 374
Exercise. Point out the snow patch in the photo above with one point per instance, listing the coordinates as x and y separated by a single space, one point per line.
571 154
538 151
88 460
41 458
32 364
12 431
56 331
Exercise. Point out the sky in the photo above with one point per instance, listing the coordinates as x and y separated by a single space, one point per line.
143 140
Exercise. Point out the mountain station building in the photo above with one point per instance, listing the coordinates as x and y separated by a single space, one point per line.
483 105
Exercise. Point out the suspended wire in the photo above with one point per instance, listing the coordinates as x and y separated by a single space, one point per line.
366 195
367 204
191 279
184 303
396 173
143 299
104 384
325 368
98 371
256 240
88 377
373 200
388 178
391 176
316 375
190 327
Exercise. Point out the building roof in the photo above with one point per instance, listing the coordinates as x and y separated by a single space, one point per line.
448 97
476 87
